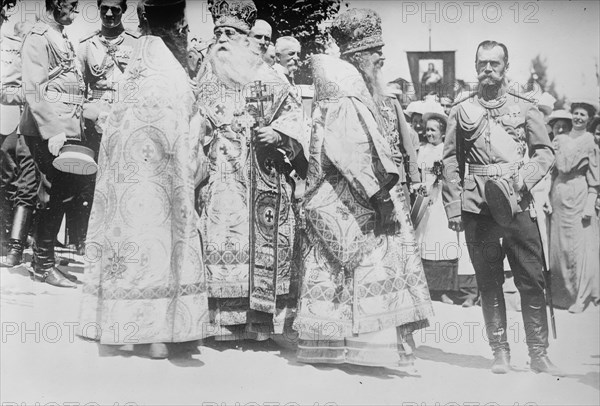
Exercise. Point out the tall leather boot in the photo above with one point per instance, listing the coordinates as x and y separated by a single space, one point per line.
43 252
533 307
18 236
86 210
494 315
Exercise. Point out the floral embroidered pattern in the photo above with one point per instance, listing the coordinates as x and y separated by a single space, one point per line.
116 267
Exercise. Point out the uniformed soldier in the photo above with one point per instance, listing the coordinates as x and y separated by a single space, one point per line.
103 55
18 177
488 135
53 88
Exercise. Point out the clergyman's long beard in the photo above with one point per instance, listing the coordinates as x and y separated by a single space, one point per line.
234 63
372 76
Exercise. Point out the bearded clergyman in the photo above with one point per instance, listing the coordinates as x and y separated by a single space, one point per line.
364 290
253 142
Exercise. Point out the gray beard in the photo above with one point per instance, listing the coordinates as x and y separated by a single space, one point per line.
235 66
374 82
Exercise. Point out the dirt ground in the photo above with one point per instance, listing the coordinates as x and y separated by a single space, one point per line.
43 362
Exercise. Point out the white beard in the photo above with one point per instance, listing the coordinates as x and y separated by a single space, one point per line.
374 81
234 64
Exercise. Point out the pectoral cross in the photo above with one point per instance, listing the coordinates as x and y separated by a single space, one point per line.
259 97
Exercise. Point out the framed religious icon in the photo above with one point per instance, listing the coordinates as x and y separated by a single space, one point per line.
432 72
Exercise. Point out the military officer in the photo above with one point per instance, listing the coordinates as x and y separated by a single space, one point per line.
496 134
103 55
53 89
18 177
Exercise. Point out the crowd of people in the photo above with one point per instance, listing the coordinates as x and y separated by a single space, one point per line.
208 201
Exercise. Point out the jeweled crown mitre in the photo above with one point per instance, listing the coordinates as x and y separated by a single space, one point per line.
239 14
356 30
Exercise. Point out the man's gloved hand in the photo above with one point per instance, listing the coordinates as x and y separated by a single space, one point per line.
93 110
455 223
386 213
518 186
56 143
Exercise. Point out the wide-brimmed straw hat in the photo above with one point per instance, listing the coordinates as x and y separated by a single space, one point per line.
559 115
432 109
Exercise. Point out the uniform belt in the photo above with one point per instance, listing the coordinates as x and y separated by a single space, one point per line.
102 94
495 170
68 98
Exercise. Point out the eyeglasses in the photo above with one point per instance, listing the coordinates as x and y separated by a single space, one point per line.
113 10
229 32
266 38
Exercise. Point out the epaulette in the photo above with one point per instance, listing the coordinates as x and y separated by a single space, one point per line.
527 99
133 34
39 28
462 99
90 35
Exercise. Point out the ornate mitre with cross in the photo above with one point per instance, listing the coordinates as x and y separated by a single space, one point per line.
239 14
356 30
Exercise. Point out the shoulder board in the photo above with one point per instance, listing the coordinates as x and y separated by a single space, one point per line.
522 97
133 34
39 28
463 98
90 35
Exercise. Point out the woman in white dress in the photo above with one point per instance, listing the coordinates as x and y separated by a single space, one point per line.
448 269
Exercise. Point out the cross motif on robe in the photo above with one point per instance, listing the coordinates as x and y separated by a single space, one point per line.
220 109
269 216
148 151
116 268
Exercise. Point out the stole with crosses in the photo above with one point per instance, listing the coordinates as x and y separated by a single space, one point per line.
269 247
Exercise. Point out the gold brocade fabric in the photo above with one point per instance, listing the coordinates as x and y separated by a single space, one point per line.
246 218
355 282
145 279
